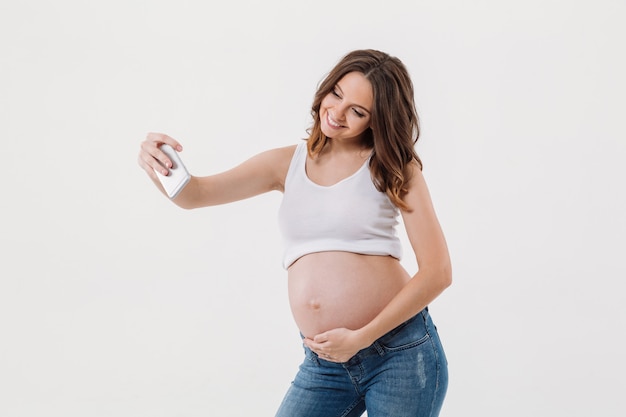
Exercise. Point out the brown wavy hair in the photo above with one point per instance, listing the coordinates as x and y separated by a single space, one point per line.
394 125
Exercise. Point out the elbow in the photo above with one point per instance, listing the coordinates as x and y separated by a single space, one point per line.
439 277
444 276
447 277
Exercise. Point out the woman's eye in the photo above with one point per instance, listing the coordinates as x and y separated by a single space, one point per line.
358 113
336 94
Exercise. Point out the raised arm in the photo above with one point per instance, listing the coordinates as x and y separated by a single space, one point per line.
261 173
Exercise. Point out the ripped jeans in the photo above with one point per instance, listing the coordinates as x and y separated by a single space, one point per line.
402 374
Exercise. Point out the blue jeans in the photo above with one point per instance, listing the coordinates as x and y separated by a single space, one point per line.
402 374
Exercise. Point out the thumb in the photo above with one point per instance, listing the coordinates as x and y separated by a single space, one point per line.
321 338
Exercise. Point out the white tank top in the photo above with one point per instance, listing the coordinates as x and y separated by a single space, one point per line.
351 215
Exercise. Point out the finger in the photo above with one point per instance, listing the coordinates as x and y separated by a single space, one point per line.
152 171
152 145
145 167
312 345
160 138
150 162
318 349
154 157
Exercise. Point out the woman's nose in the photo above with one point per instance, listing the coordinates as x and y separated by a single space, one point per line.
339 112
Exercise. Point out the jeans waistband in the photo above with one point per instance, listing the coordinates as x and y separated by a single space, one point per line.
376 347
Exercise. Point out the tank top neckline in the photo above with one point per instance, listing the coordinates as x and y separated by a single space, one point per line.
341 181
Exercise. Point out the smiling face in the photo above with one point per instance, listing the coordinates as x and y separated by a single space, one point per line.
345 112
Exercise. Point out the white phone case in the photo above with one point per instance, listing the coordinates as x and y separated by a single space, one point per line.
178 175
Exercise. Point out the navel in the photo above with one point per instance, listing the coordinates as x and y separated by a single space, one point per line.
314 304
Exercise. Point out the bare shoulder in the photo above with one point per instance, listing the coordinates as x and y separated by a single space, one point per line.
275 158
280 155
277 161
417 194
416 177
422 226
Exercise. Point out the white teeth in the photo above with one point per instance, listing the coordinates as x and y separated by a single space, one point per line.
332 122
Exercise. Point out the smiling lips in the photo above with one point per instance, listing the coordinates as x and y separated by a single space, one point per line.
331 122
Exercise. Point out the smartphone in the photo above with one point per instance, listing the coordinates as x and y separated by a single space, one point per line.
177 177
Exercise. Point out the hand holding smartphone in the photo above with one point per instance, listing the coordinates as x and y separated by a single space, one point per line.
177 177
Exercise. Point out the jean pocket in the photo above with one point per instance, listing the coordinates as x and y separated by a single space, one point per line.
408 335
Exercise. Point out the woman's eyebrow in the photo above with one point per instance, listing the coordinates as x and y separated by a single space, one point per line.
357 105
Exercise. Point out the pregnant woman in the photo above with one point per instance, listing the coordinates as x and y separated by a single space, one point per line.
369 341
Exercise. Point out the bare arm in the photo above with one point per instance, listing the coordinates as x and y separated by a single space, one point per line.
431 251
259 174
434 275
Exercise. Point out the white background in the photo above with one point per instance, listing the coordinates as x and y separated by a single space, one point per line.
114 302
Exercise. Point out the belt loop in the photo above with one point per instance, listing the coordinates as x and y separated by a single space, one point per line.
378 348
312 356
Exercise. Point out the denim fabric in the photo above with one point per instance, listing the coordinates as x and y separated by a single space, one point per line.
403 374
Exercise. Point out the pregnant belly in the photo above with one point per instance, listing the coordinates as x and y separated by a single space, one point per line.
329 290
